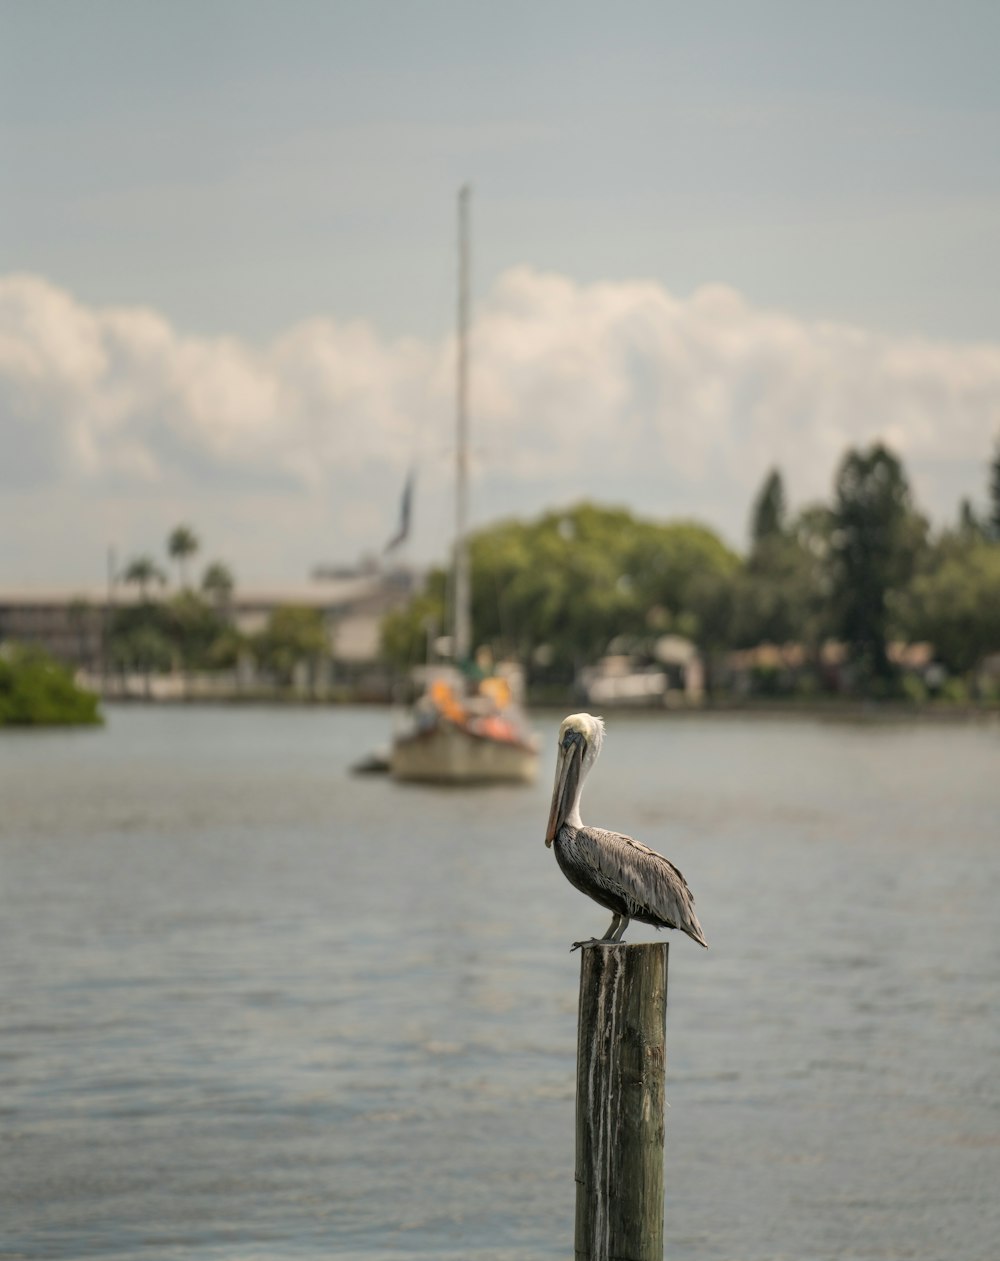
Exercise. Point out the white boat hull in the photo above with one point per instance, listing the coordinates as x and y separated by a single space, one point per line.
446 753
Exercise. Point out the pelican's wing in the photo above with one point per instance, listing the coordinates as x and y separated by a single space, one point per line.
649 883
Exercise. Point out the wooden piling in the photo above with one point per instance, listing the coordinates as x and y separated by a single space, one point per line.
620 1076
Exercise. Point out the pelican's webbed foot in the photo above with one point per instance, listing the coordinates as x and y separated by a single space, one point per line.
610 938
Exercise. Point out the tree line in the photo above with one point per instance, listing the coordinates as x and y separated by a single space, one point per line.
193 628
864 569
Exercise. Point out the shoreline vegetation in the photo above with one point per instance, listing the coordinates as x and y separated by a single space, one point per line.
837 708
852 607
38 691
857 601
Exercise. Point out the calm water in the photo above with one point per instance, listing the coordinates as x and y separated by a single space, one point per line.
254 1008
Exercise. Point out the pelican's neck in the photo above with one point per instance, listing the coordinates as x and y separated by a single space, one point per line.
573 819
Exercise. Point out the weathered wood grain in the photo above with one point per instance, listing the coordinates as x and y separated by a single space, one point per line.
620 1082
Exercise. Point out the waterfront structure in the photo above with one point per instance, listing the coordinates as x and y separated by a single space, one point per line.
672 675
71 623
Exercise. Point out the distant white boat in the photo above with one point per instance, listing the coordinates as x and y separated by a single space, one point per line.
464 729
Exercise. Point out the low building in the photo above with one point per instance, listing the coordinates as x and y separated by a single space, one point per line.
70 623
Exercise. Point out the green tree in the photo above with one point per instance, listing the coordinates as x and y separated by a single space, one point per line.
994 522
218 584
293 634
970 527
35 690
667 564
955 604
556 592
876 539
225 649
781 595
767 520
711 598
562 581
192 626
140 644
182 544
779 598
141 572
404 633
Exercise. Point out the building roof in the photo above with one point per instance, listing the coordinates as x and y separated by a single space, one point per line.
326 594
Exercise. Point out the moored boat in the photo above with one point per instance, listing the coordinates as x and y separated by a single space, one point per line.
468 726
465 733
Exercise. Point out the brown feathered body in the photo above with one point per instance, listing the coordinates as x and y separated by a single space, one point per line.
630 879
627 877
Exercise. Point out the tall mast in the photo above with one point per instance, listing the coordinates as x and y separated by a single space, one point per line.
462 629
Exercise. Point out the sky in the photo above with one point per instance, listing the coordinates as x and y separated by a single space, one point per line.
707 240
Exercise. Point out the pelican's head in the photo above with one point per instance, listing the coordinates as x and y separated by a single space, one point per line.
580 740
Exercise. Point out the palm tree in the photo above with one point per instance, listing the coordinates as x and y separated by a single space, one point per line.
218 582
142 571
182 543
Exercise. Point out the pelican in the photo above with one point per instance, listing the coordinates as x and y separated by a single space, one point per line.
629 878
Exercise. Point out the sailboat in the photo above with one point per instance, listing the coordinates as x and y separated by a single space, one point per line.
464 729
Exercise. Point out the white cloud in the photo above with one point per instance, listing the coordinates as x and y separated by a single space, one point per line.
617 391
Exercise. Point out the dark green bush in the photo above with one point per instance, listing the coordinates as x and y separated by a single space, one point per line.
35 690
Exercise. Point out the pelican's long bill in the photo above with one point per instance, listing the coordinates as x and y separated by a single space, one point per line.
569 765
